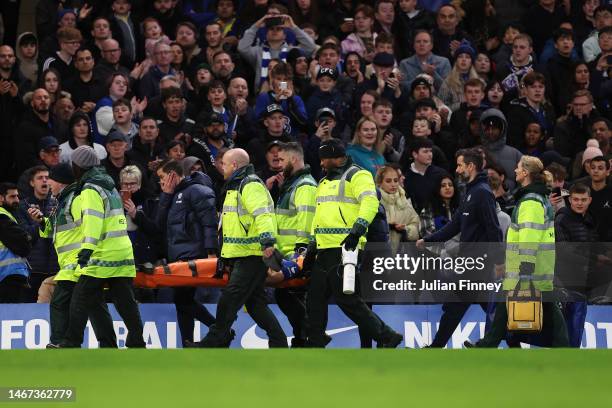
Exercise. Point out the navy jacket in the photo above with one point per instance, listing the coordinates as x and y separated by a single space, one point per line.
476 218
189 218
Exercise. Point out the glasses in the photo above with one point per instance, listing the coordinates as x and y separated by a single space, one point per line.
163 52
129 184
113 50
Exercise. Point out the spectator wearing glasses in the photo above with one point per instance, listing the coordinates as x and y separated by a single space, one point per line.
69 41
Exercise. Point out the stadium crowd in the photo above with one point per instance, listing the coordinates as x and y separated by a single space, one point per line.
406 86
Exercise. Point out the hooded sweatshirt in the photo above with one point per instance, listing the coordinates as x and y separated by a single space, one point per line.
505 156
27 66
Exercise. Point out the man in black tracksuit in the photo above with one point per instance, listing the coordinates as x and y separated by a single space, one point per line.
476 221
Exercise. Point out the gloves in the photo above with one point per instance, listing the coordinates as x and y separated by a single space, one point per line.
83 257
351 241
220 269
275 261
526 269
310 257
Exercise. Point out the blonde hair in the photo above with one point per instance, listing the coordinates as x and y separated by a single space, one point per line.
380 173
131 172
379 145
454 81
534 167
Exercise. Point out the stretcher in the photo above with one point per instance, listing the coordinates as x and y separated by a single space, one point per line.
198 272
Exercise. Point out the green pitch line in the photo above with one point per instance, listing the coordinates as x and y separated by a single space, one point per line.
315 378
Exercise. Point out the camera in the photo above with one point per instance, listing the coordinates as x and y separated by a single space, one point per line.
274 21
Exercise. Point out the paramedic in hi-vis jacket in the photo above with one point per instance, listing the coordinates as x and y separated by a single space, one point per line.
530 254
346 203
248 229
67 236
105 257
294 213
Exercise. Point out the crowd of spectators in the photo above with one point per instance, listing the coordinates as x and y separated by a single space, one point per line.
404 84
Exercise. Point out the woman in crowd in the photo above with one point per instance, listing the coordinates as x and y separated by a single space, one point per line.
401 216
362 39
52 82
494 95
451 90
79 134
443 202
367 147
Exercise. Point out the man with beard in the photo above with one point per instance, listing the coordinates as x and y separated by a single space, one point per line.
274 128
35 125
42 258
14 247
294 213
223 66
208 138
476 220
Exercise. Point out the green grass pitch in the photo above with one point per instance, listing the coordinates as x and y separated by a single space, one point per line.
316 378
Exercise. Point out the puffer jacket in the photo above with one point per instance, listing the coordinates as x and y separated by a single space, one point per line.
189 218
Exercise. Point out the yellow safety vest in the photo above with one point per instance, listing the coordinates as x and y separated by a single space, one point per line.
247 218
10 263
294 213
531 240
341 203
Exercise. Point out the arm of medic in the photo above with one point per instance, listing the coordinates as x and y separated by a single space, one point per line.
92 224
364 190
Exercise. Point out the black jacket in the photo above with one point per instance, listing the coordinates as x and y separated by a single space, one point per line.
189 218
42 257
476 217
26 137
575 235
257 147
14 236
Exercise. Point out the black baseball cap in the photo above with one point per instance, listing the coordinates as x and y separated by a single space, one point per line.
427 102
214 117
332 149
384 59
325 113
328 72
47 142
62 173
272 144
272 108
115 136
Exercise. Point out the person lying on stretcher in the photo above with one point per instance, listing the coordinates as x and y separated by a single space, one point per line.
281 269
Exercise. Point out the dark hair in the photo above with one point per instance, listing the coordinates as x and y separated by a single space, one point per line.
602 119
533 77
175 143
435 200
122 102
605 30
580 188
74 119
562 33
41 80
384 38
35 170
382 102
474 82
417 32
114 75
215 83
366 10
601 159
420 143
602 9
558 171
328 46
171 92
189 25
145 118
472 156
5 187
172 165
282 68
292 147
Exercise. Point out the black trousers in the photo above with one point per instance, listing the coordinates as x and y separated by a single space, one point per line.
452 313
245 287
326 281
187 309
87 295
292 303
12 289
552 318
59 316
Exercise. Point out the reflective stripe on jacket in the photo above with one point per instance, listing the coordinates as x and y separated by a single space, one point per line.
342 202
10 263
247 218
531 244
294 213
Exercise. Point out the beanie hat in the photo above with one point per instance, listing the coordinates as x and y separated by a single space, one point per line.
62 173
591 151
85 157
466 48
